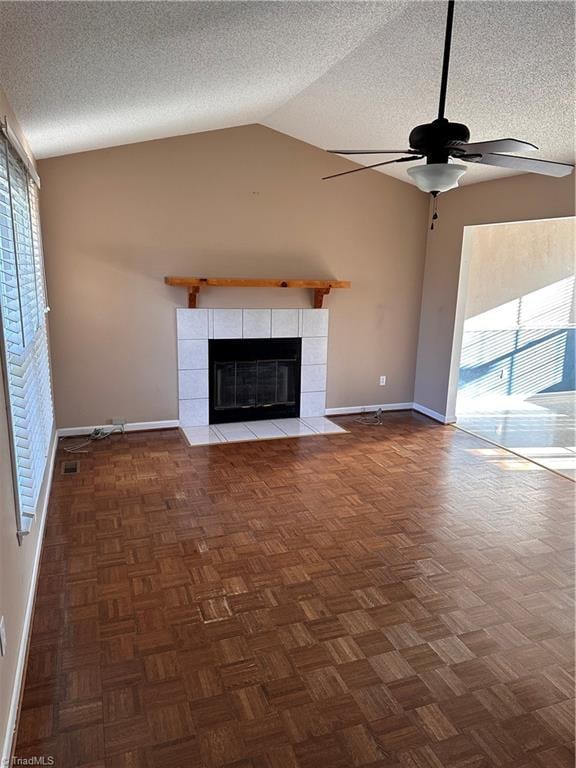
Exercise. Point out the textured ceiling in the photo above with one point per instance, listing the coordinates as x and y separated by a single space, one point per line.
82 75
511 75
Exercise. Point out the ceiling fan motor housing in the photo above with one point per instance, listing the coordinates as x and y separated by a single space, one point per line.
433 139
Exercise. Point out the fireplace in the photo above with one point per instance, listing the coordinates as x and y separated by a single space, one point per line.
295 339
252 379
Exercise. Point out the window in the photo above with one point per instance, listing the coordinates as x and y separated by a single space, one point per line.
24 337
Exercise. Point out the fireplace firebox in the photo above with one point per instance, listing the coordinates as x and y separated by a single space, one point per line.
252 379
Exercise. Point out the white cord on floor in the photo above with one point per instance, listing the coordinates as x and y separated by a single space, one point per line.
97 434
373 419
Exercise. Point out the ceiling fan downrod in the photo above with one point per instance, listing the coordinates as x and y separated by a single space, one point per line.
433 139
446 59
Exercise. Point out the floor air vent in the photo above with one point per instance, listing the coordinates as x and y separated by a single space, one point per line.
70 467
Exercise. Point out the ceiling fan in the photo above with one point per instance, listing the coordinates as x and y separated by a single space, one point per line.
442 143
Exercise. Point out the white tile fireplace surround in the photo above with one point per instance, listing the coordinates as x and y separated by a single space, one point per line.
196 326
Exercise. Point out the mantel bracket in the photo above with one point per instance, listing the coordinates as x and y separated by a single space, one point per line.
320 288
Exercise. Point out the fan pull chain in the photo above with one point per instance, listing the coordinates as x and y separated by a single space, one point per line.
434 209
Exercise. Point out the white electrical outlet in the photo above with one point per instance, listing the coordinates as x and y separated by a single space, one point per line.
2 636
382 381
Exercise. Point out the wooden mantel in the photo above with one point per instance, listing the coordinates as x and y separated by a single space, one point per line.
321 288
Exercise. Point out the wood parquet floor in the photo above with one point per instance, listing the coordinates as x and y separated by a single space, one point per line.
398 597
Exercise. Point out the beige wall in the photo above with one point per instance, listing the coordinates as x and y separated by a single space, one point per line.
506 261
516 275
515 198
16 562
241 202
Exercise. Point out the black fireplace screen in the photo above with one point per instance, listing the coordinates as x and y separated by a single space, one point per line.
254 379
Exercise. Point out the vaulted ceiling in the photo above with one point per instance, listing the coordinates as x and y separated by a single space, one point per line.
84 75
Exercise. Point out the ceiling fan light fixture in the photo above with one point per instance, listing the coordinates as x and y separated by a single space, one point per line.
437 177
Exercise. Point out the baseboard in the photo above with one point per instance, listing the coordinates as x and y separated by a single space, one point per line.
368 409
442 418
143 426
389 407
136 426
19 677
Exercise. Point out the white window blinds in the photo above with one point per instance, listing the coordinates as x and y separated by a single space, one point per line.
24 333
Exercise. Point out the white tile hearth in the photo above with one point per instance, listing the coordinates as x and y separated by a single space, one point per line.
265 430
236 432
322 425
202 435
294 427
195 327
260 430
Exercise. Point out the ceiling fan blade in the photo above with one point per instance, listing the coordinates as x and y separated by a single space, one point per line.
376 165
498 145
524 164
370 151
